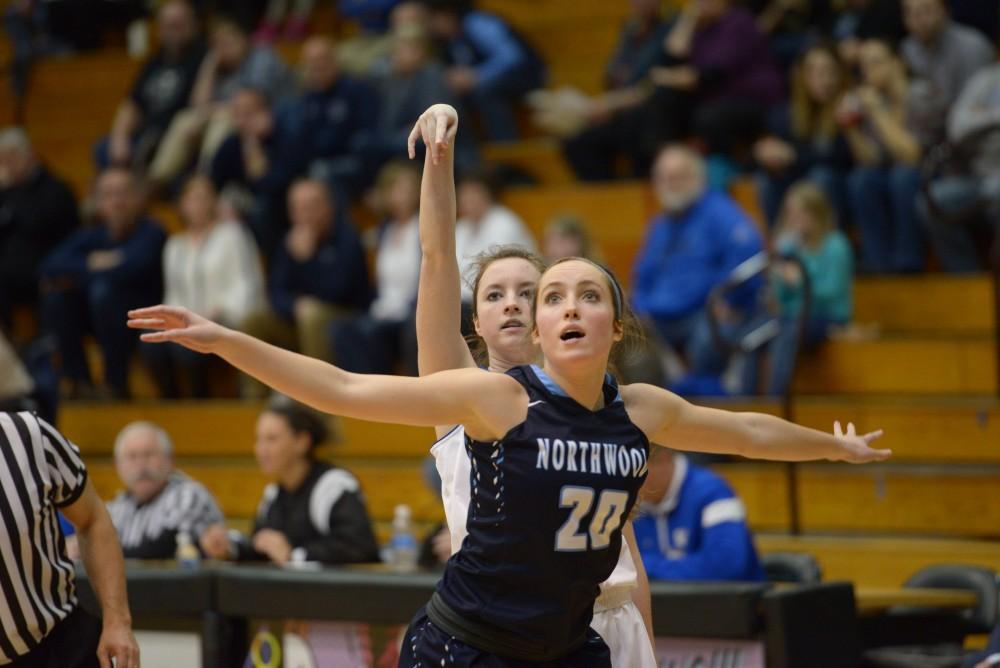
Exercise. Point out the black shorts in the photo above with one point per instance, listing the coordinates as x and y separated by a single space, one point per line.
72 643
427 646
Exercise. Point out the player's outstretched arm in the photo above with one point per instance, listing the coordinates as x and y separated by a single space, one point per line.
671 421
487 404
440 345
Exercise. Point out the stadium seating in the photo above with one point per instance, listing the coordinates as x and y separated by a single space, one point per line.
922 365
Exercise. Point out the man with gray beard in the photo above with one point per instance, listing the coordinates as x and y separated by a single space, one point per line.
691 246
158 502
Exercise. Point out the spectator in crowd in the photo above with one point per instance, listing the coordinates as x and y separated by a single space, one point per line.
942 56
792 26
483 223
317 276
230 65
313 511
52 628
807 230
719 81
859 20
884 184
567 235
805 140
617 125
691 526
374 19
294 18
16 385
639 45
37 211
490 67
335 114
92 279
212 268
414 82
691 246
385 337
973 123
162 89
259 159
158 502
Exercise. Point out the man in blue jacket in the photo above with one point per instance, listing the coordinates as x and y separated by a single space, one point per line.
91 280
490 67
691 526
318 274
700 236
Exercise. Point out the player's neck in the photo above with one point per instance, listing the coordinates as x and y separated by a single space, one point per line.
584 386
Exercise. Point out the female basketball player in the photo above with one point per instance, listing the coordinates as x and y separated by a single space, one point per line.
558 455
503 287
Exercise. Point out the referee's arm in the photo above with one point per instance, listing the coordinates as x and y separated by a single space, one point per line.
102 557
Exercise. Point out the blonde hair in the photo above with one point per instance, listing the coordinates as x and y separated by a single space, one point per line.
815 203
810 118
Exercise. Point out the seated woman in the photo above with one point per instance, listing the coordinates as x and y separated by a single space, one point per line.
313 511
212 268
384 338
805 140
807 230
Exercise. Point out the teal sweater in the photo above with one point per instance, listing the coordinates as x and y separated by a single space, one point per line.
830 268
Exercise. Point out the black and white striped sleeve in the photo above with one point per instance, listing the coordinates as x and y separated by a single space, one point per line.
66 468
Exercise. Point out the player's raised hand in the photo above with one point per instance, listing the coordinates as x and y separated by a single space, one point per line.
437 128
178 325
857 449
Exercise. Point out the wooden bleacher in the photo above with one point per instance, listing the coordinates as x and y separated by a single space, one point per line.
926 372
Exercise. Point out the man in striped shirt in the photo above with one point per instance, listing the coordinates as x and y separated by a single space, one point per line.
41 623
158 501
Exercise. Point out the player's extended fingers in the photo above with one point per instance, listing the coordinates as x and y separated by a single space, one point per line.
430 138
872 436
850 430
104 657
159 337
441 130
146 323
411 141
836 428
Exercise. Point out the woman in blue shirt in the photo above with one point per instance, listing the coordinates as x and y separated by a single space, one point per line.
807 231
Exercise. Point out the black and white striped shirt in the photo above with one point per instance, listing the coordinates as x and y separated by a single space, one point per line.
40 471
149 530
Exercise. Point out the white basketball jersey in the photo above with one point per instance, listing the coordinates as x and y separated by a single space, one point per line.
453 466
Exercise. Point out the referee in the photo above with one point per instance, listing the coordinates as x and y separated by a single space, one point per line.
42 624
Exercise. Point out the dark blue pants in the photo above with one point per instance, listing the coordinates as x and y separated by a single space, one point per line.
99 308
167 361
782 352
367 345
427 646
884 204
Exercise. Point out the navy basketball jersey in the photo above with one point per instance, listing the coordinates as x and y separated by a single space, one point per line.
544 525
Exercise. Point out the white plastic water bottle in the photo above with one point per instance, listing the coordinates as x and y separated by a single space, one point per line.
403 543
187 554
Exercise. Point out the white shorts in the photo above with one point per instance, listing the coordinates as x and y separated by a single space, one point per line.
625 633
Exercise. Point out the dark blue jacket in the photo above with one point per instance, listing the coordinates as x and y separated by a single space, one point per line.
139 272
684 257
489 45
333 121
336 274
698 532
